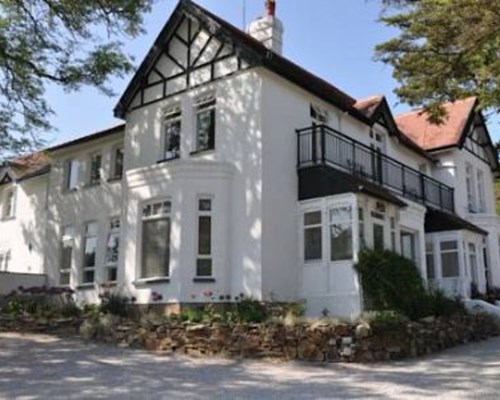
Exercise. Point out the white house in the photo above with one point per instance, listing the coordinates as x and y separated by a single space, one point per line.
237 171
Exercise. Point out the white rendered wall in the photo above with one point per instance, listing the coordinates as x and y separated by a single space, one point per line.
75 208
23 235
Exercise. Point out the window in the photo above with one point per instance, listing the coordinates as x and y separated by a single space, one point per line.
118 158
471 195
319 115
204 259
422 168
205 123
480 191
89 256
408 245
341 233
66 255
313 249
72 174
112 250
473 262
393 233
378 237
155 257
361 228
449 259
9 203
172 134
4 260
429 258
95 169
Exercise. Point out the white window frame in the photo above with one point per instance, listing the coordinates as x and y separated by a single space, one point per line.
305 227
200 214
172 115
161 204
343 221
481 191
114 170
67 238
91 180
5 257
87 237
72 168
205 103
113 231
449 251
470 187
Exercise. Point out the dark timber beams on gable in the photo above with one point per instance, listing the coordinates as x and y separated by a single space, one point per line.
192 60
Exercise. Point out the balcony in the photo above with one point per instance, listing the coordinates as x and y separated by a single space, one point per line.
322 146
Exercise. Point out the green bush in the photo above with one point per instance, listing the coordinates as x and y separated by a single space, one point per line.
393 282
250 310
386 321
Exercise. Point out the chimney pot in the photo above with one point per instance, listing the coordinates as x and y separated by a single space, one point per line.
271 8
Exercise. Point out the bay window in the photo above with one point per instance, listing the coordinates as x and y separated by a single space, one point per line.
312 236
155 256
204 258
205 123
172 134
341 233
449 259
429 258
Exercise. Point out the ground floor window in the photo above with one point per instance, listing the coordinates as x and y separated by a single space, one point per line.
378 237
112 250
408 245
204 257
313 248
89 256
4 260
155 246
429 258
473 263
66 255
449 259
341 233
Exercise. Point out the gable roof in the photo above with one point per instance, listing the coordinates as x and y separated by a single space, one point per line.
376 109
26 166
249 48
431 137
87 138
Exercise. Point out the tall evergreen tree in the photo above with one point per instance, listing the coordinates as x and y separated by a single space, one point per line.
446 49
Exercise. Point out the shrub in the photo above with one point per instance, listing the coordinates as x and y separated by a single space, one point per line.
393 282
191 314
386 321
250 310
115 303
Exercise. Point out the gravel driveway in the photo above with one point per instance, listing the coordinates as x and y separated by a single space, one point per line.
44 367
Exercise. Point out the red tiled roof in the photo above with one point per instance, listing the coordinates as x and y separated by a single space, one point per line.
369 105
429 136
28 166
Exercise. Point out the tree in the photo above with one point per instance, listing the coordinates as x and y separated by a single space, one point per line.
69 43
446 50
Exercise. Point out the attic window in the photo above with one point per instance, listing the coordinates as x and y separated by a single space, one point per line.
319 115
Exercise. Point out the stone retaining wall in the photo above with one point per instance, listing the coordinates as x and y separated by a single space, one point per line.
319 341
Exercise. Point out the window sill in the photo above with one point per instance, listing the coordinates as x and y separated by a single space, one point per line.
151 281
85 286
166 160
201 152
203 280
115 179
92 185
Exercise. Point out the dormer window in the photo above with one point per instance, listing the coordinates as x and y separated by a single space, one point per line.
172 134
205 123
319 115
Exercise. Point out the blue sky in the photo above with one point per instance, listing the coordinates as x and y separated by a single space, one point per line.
331 38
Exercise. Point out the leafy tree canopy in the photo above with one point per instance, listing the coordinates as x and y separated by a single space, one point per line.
69 43
446 50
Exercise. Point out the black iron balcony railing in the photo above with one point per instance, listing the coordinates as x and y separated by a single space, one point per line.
322 145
